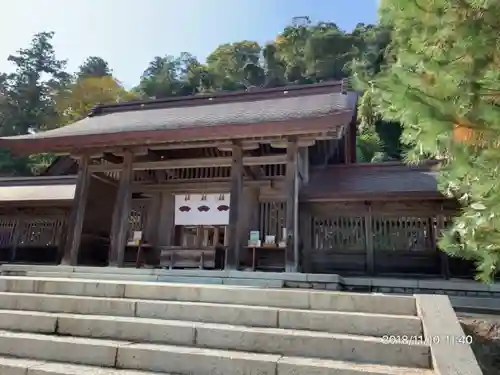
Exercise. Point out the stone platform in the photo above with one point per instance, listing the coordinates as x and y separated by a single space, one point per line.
465 295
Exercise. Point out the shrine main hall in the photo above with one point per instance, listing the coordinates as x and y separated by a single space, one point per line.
259 180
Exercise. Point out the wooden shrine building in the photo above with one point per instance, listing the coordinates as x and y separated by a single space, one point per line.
264 179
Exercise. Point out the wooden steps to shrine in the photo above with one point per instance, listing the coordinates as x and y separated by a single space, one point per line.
57 326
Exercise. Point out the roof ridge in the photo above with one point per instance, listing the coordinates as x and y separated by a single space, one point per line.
205 99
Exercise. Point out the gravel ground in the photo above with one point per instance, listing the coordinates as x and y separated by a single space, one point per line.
485 331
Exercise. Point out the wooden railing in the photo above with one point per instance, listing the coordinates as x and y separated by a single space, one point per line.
31 237
138 215
30 231
272 219
206 173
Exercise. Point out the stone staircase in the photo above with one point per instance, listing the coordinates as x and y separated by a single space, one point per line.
60 326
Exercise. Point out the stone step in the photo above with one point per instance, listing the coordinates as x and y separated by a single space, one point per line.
21 366
223 294
261 283
312 366
220 336
254 316
172 359
285 366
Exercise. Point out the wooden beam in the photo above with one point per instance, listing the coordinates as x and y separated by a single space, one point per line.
213 186
142 149
77 216
236 191
192 163
249 172
255 172
305 142
123 205
112 158
245 145
291 219
107 180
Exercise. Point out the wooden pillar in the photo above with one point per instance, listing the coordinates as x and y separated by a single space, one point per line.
63 237
166 220
292 203
349 146
153 215
303 166
306 232
19 226
370 251
443 257
77 216
151 227
305 161
353 143
123 205
234 240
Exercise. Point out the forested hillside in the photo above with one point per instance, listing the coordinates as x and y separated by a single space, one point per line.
41 94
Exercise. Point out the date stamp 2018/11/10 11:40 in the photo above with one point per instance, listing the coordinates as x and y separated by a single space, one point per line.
427 340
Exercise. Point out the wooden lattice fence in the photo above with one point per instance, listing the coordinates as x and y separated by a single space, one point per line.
377 243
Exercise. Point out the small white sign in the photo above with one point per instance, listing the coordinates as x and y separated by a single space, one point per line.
137 235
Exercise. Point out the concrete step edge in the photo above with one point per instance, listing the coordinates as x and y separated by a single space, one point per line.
296 365
243 315
175 279
15 366
211 304
285 366
57 317
148 356
285 298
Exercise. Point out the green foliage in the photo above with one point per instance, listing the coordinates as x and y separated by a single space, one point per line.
94 66
441 74
368 146
77 99
26 98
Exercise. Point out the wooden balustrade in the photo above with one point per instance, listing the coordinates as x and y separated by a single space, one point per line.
31 237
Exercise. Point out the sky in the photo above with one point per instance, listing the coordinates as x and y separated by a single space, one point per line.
129 33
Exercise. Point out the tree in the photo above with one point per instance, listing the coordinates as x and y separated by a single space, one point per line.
372 52
30 88
290 45
236 65
27 95
94 66
273 68
443 85
327 52
368 146
77 99
171 76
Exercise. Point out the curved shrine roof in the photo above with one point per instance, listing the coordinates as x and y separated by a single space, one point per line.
275 112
